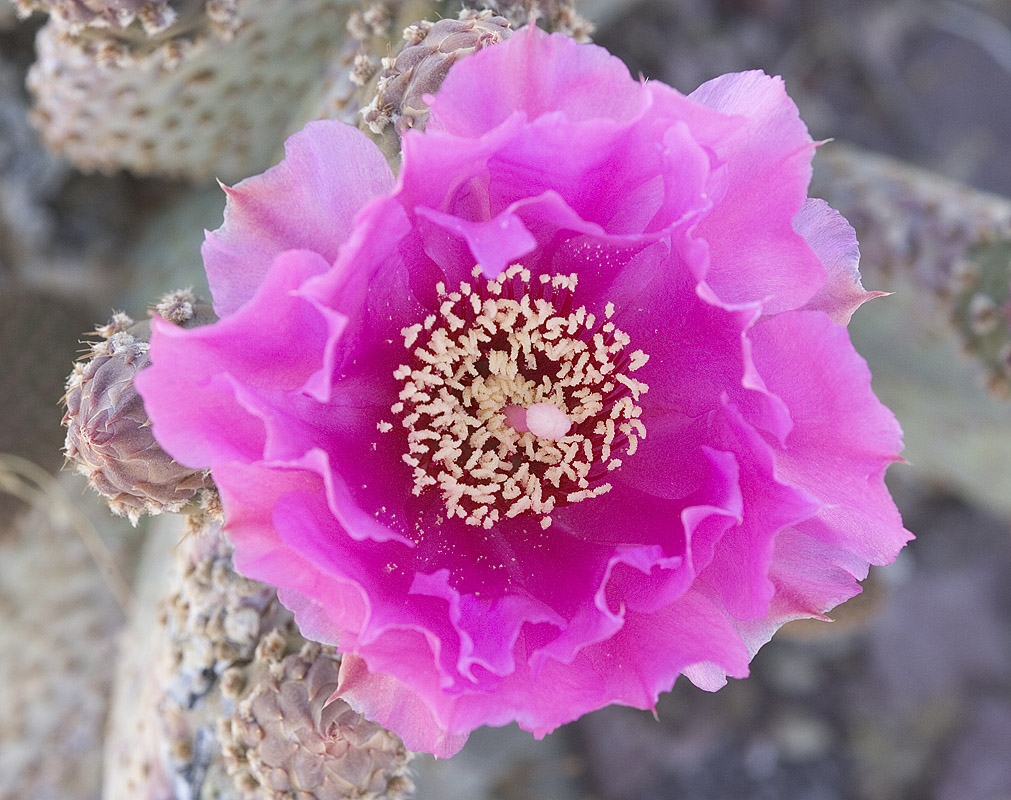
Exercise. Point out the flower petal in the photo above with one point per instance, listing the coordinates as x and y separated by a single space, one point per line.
307 202
755 252
744 454
189 390
380 697
536 74
835 242
843 437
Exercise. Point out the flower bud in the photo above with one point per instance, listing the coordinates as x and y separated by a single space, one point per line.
109 437
557 16
419 69
289 733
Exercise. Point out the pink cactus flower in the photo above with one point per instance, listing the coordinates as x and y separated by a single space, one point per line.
566 410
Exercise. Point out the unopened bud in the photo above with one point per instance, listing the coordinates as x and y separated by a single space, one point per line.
421 67
109 438
289 732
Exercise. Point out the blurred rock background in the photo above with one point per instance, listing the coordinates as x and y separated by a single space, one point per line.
906 697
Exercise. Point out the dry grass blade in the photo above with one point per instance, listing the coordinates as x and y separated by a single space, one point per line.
29 482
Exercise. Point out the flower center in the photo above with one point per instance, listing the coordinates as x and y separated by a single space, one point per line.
514 402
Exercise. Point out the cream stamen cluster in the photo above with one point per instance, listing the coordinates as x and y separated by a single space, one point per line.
514 401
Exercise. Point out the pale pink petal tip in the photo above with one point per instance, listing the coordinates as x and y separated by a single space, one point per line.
832 238
308 201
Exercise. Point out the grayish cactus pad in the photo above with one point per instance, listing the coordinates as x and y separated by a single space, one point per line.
218 695
118 15
286 734
559 16
211 96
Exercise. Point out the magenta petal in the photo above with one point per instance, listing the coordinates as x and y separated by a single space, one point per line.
674 632
249 495
199 427
495 244
314 622
307 202
363 403
488 631
834 241
614 671
840 426
648 578
189 390
738 573
381 697
755 252
537 74
561 692
696 346
810 578
355 521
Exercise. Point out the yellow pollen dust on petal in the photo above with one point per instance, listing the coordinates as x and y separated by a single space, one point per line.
514 401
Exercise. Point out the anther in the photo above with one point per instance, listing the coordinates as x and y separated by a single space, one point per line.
511 399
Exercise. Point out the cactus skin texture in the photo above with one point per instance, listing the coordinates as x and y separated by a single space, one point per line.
394 76
208 96
950 241
109 438
558 16
194 89
286 735
218 695
154 16
57 640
